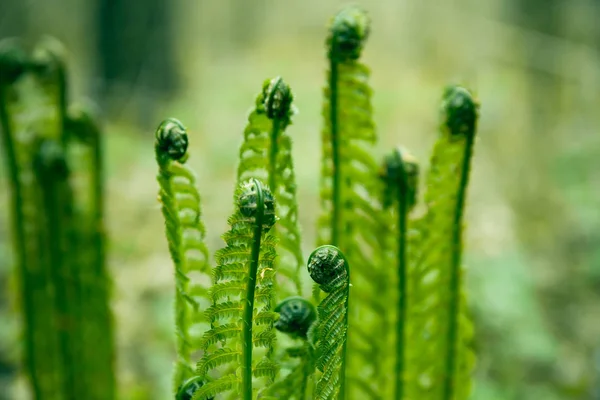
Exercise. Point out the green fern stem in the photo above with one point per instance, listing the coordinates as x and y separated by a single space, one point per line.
247 346
335 151
402 216
461 111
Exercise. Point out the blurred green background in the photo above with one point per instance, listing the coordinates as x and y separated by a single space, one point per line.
533 243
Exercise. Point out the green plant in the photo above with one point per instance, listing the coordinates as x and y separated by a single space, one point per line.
388 284
54 158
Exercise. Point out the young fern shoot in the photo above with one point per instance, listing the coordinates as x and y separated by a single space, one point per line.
266 154
185 235
329 269
399 175
296 317
242 296
439 357
351 211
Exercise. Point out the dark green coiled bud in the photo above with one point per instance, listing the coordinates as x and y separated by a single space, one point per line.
171 141
400 175
296 315
277 99
328 267
348 31
459 111
13 61
50 162
253 194
188 388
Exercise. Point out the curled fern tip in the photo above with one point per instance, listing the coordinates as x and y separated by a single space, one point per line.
296 315
249 202
328 267
171 140
400 170
460 111
348 32
277 99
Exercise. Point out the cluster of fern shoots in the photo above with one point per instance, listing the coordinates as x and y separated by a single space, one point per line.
53 156
387 316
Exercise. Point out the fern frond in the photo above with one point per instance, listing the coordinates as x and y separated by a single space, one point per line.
439 358
329 268
351 212
399 176
242 293
185 235
296 316
266 154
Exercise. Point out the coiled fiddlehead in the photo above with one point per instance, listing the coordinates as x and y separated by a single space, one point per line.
266 154
399 175
351 213
242 296
439 357
329 268
185 235
296 315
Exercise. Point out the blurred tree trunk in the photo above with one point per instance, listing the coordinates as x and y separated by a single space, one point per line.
135 50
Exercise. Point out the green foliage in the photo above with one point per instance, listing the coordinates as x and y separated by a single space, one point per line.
54 158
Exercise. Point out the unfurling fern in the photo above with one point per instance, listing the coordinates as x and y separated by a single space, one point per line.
439 359
266 154
185 234
329 269
296 317
351 212
399 175
242 296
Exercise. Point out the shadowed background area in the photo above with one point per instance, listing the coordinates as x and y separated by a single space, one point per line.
533 243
